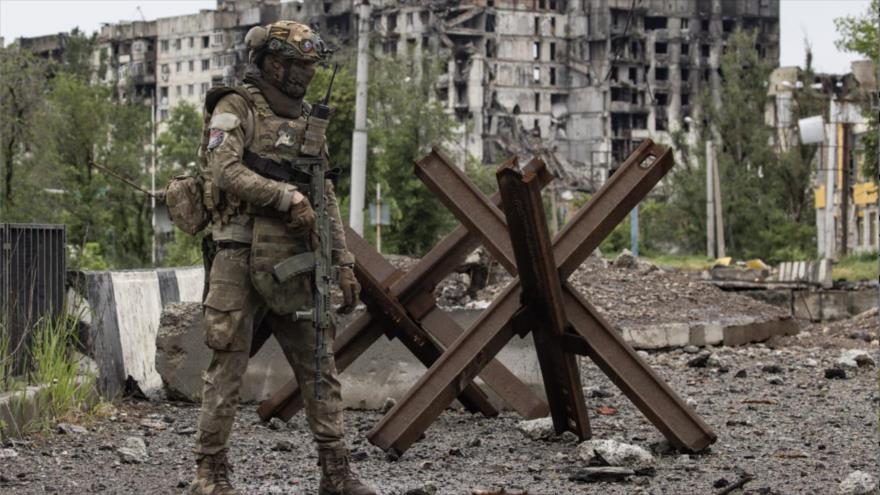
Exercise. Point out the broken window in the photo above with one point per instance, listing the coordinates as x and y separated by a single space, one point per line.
634 50
537 102
727 25
536 128
390 47
661 73
704 50
704 25
685 99
558 99
685 49
620 94
536 50
553 26
391 22
542 4
614 73
633 74
490 49
552 4
684 23
490 23
552 75
706 74
655 23
685 75
206 41
409 19
423 17
552 51
660 48
640 121
634 98
537 25
660 123
661 99
536 74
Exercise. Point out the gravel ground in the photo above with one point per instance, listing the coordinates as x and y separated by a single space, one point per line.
803 434
628 292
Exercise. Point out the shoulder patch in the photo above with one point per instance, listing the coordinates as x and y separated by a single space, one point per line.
217 136
224 121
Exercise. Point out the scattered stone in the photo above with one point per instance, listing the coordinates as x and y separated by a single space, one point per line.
775 380
71 429
858 483
835 374
720 483
604 473
569 437
626 260
859 335
597 392
456 452
283 446
691 349
715 361
771 368
662 447
854 358
388 405
359 456
741 374
476 442
275 424
428 489
133 451
810 363
864 360
8 453
701 361
614 453
185 430
153 424
537 429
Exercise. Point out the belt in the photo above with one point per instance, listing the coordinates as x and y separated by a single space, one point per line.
231 245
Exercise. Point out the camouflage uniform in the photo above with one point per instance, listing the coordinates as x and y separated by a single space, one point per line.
250 224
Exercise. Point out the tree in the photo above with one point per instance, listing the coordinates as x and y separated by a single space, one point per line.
859 34
22 88
766 196
405 119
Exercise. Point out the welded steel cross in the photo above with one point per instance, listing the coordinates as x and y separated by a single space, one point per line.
402 306
540 301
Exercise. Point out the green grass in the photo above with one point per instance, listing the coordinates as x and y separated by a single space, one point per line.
685 262
856 267
66 393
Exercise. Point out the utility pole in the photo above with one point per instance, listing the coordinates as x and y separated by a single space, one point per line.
719 218
154 250
710 203
634 231
844 187
359 139
379 217
830 169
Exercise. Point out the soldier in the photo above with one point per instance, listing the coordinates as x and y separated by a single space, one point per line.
256 222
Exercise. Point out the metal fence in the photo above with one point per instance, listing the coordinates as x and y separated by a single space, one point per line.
32 275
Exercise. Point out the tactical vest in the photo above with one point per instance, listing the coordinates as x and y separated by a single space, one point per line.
271 145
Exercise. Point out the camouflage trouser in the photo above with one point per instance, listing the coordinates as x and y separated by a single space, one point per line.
232 308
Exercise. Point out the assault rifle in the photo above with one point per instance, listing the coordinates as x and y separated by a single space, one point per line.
321 260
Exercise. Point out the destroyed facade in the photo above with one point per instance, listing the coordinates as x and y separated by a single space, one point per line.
579 82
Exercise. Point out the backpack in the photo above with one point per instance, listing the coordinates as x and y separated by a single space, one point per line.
191 198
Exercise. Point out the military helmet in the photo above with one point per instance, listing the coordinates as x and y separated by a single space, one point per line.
287 39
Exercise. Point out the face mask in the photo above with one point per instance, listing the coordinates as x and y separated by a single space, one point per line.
290 76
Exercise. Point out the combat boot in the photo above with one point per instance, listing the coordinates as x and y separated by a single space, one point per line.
336 475
212 476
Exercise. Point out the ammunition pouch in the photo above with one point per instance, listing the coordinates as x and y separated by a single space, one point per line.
184 196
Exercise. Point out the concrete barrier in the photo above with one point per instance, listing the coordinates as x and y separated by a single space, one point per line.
124 309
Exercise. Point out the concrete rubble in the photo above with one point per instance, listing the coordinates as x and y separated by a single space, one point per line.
614 453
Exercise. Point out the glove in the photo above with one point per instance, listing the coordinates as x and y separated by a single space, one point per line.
350 290
302 216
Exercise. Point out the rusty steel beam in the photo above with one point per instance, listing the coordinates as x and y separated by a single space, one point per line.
414 290
542 294
426 400
679 423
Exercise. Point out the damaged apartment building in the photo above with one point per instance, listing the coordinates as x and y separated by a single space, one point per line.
579 81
